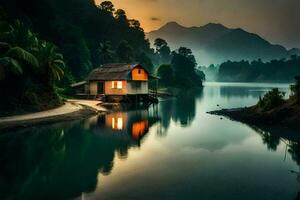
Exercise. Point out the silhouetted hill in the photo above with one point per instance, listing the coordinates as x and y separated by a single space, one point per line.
215 43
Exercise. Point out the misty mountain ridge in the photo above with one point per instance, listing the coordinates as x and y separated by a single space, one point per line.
214 43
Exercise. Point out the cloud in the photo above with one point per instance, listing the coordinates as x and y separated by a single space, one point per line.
154 19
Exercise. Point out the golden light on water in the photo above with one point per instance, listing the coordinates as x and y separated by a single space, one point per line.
117 123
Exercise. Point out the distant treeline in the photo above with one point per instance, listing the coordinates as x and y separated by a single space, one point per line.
283 70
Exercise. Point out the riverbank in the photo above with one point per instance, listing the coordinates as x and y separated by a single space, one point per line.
71 110
284 116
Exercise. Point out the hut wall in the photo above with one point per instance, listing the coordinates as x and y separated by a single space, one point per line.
139 74
137 87
114 90
93 88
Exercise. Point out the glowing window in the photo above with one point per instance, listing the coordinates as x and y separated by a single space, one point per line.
113 123
117 124
112 84
120 124
119 84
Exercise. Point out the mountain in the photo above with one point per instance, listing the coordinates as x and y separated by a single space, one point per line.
215 43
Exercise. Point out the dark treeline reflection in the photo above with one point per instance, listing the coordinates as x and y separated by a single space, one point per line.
63 160
182 110
272 140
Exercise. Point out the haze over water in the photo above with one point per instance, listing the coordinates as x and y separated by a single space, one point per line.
173 151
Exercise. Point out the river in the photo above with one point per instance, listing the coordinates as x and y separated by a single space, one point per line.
171 151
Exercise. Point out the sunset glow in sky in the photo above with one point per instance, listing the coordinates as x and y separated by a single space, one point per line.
275 20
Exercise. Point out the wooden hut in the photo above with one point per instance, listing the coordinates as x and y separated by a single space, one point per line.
117 82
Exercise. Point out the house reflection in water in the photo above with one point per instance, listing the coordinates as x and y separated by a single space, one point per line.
132 125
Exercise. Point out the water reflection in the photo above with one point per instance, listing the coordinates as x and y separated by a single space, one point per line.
62 161
216 159
130 125
248 90
242 92
271 140
181 110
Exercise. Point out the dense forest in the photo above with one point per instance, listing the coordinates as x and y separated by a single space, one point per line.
87 34
283 70
48 44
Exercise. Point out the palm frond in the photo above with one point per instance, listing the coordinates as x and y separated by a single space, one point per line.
16 66
61 63
12 64
22 54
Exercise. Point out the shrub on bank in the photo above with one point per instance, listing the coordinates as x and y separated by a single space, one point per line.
296 89
271 100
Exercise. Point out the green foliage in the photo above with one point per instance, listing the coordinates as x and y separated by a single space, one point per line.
182 71
107 6
105 53
51 61
125 52
77 27
296 89
163 50
145 61
30 68
165 73
18 53
271 100
184 66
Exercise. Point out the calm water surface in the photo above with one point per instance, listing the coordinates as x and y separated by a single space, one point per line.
172 151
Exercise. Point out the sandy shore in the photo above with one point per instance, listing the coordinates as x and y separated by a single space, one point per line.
71 110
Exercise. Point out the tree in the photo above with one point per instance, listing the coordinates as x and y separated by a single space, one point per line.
106 55
120 15
165 73
158 43
51 61
29 69
184 62
15 58
296 89
163 50
135 24
124 52
271 100
145 61
107 6
184 66
186 52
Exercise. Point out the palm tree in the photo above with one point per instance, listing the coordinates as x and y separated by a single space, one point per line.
52 62
15 60
15 54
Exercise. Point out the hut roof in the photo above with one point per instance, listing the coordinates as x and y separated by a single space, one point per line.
112 72
78 84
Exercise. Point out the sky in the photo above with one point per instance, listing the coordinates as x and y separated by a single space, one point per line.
278 21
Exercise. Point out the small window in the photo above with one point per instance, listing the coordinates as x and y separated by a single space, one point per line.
139 71
116 84
119 85
117 123
112 84
120 124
